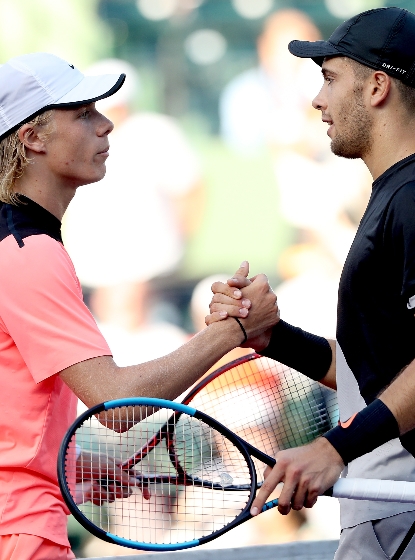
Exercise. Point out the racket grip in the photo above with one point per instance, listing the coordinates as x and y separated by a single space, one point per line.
269 505
375 490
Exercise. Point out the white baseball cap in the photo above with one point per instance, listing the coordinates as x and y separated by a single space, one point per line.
130 91
36 82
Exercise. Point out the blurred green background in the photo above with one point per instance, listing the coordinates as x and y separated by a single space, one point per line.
183 78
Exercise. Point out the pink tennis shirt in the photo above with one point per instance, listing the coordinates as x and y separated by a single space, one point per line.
45 327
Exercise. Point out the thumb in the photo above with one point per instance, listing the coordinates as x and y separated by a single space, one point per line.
240 278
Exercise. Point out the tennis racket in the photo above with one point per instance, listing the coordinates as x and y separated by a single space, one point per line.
201 475
268 404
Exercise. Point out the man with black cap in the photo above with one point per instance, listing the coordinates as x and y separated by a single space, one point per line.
368 101
53 140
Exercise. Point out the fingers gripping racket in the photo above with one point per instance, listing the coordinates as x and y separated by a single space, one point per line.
201 475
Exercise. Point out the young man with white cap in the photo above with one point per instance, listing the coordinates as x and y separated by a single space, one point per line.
53 140
368 101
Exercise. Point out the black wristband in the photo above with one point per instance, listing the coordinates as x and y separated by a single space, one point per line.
364 432
307 353
243 330
408 442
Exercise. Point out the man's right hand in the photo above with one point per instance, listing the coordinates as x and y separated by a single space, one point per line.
227 300
235 299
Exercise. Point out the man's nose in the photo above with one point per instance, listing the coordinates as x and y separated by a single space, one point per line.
318 102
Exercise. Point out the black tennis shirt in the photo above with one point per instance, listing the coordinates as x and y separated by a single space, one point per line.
376 327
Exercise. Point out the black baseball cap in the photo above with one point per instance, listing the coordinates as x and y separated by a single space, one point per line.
383 39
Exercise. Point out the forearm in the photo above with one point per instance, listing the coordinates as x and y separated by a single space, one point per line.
169 376
329 380
100 379
389 416
309 354
399 397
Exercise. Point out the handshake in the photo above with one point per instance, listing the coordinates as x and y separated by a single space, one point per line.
250 301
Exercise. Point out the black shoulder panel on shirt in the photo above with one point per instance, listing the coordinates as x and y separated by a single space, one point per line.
26 219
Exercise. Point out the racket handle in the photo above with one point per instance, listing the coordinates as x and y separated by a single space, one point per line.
375 490
269 505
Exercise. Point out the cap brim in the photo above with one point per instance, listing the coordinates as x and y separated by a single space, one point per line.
92 88
317 50
88 90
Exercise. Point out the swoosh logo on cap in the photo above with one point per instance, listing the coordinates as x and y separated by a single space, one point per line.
72 66
348 422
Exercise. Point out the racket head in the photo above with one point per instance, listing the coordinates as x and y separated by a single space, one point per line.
267 404
177 516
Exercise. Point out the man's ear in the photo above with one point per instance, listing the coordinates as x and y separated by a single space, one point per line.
30 138
380 84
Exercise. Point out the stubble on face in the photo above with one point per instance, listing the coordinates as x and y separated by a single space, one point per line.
354 131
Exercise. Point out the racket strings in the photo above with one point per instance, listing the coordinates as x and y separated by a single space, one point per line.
185 477
269 405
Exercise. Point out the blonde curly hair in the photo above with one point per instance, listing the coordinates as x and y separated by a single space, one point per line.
13 158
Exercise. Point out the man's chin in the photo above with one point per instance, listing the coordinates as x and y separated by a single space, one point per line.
343 151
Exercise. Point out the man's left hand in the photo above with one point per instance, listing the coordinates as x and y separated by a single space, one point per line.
307 472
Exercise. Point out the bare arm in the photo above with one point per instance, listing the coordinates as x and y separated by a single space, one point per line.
399 397
329 380
100 379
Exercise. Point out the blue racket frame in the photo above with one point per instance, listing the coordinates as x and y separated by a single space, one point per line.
245 448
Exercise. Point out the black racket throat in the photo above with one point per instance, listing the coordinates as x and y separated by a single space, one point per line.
246 448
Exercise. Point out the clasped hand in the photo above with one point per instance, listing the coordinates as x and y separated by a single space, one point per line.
251 300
